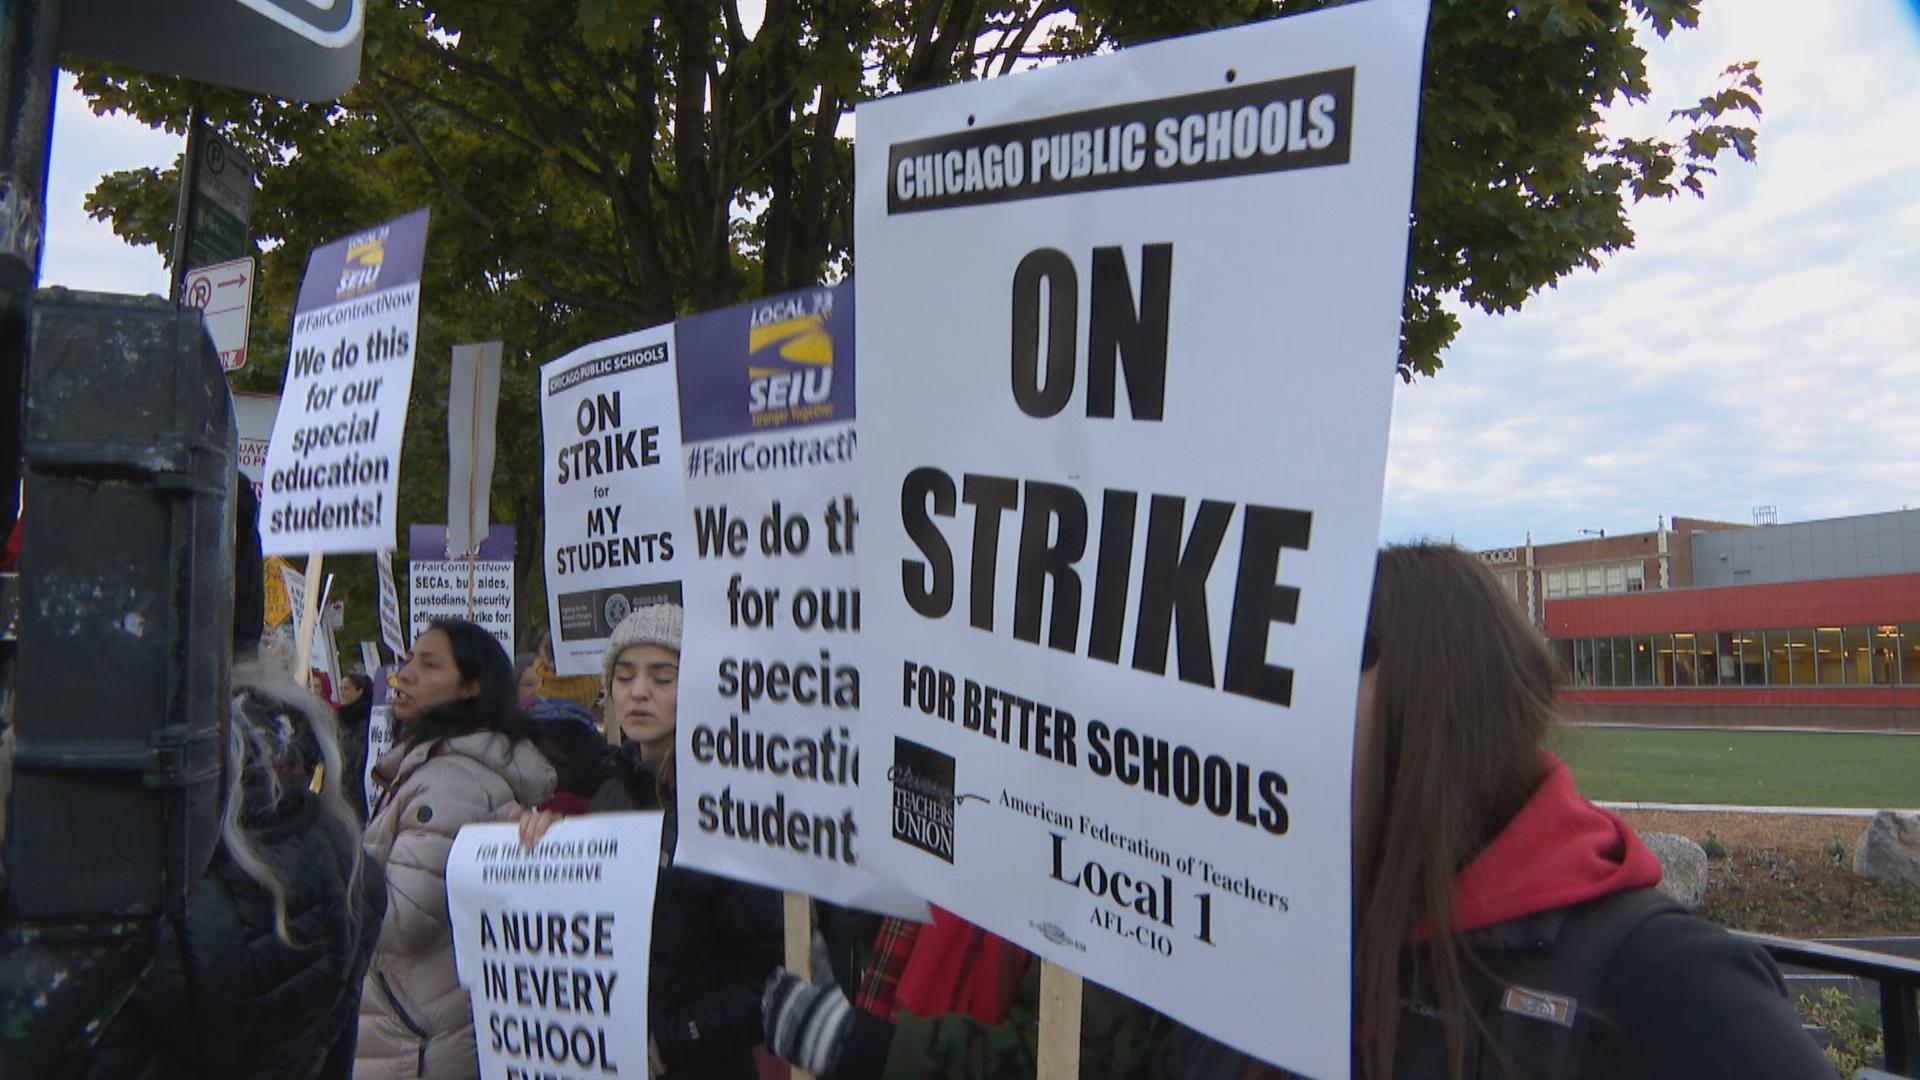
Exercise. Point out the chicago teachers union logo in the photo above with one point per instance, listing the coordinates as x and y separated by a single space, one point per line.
923 800
790 377
361 272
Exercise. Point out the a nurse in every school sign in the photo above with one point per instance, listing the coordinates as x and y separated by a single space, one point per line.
1130 327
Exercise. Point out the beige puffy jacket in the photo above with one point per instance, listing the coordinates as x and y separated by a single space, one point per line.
415 1019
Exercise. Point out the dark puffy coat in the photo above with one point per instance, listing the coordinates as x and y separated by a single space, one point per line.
352 721
225 998
1680 998
715 941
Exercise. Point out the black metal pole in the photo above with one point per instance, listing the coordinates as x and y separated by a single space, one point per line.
29 39
1899 1029
183 210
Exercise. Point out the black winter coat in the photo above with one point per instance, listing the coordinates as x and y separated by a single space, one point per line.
353 720
224 998
1679 999
715 941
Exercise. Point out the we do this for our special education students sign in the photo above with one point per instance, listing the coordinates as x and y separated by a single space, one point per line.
1131 325
333 467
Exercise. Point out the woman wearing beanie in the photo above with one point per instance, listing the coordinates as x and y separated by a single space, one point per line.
462 754
715 941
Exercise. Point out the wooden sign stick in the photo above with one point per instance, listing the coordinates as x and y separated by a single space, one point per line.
799 912
1060 992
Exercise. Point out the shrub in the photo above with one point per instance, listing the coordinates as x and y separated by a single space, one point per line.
1852 1024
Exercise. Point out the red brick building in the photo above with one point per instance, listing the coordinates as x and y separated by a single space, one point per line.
1599 565
1813 623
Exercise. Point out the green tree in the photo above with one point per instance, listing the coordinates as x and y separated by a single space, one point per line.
595 166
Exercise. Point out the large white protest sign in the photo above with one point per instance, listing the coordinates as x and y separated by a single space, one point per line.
379 741
479 590
333 468
553 944
1121 474
611 427
769 691
253 416
323 653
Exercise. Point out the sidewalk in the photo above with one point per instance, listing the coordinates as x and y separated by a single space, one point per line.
1795 728
1709 808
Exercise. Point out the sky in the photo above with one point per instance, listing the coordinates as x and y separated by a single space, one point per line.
1760 347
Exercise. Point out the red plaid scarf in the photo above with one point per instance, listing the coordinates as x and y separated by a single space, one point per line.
947 965
881 983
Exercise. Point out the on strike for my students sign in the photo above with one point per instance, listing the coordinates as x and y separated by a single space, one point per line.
770 692
333 468
611 424
1133 323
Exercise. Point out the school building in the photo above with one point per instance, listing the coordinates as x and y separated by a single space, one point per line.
1712 622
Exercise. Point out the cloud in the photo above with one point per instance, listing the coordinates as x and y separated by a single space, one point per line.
82 253
1756 347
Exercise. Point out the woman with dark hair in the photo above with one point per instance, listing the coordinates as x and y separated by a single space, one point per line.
1503 925
356 709
462 754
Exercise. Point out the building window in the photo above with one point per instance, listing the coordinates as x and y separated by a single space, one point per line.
1663 660
1563 655
1799 654
1714 666
1636 577
1886 655
1596 581
1642 661
1616 579
1829 661
1882 655
1751 648
1857 655
1556 584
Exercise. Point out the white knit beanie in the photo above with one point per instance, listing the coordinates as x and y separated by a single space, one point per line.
655 624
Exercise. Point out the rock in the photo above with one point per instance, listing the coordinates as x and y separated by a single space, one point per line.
1889 850
1683 868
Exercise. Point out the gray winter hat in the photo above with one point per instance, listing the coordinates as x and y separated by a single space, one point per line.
655 624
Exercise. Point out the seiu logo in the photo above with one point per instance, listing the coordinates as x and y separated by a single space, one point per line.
788 389
800 387
362 270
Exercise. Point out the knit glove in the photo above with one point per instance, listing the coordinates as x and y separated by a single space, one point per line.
805 1025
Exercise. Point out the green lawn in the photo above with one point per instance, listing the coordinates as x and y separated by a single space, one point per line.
1748 768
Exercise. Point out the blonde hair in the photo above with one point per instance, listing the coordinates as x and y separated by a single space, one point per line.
264 743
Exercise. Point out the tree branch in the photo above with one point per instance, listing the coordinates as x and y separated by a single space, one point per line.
503 242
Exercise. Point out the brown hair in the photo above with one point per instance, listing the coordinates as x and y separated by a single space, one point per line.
1465 696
